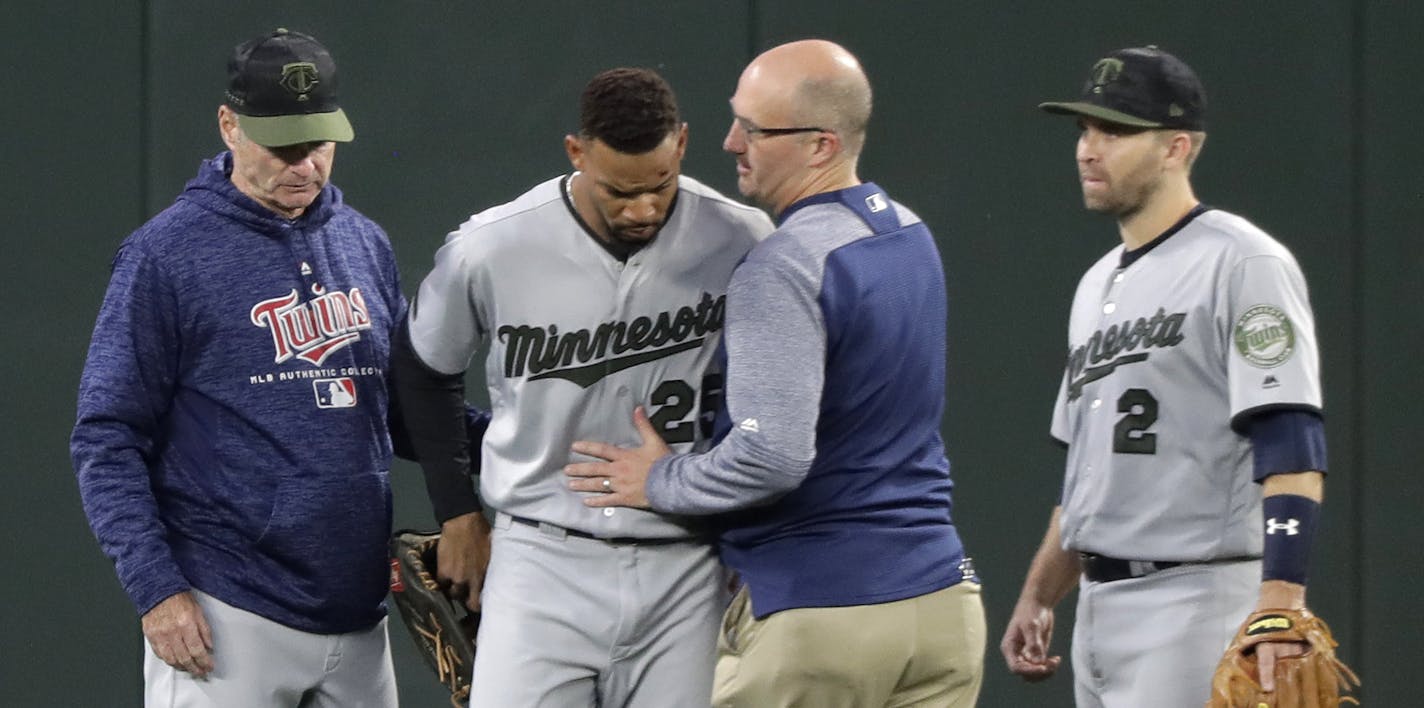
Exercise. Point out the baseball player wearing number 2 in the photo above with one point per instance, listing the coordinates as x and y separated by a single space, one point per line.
1191 412
595 292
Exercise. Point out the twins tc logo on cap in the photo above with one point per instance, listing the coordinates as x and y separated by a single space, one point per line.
1264 336
1140 87
1105 72
300 78
283 87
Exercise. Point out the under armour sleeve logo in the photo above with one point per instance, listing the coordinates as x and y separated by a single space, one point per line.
1291 526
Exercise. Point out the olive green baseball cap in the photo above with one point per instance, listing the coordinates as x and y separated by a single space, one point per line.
283 88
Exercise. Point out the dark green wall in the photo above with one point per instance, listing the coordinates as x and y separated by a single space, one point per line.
108 108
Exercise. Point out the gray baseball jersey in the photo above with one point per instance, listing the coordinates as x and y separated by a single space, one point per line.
578 338
1166 359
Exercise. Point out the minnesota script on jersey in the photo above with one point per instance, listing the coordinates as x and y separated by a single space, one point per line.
578 338
1165 358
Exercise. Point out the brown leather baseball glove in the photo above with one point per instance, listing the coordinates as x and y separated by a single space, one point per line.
443 630
1312 680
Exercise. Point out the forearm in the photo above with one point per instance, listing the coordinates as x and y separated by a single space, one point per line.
731 476
1288 540
119 502
476 422
1054 570
775 343
1310 485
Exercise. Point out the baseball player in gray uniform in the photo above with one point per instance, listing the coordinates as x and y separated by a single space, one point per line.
1190 408
594 292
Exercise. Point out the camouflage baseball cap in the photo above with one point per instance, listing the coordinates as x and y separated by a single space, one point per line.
283 88
1142 87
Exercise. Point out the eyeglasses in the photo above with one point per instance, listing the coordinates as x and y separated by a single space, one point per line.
752 130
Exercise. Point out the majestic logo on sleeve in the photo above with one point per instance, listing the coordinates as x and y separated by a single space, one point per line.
1117 345
312 330
1265 337
583 356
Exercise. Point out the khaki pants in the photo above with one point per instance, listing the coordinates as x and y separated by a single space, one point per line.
923 651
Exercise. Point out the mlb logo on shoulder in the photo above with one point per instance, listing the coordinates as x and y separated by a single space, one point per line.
335 393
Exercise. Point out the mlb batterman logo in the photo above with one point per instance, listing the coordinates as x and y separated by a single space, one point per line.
335 393
1265 337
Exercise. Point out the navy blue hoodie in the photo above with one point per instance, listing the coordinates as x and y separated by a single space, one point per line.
232 424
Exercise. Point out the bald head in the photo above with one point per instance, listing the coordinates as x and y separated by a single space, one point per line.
819 83
798 123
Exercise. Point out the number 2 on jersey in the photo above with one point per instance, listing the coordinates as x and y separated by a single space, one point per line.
1130 434
675 399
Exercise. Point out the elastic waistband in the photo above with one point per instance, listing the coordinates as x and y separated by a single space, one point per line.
559 532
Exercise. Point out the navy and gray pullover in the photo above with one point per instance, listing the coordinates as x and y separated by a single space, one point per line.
832 483
232 431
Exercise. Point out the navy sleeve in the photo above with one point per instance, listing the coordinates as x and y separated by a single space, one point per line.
774 327
125 392
1287 440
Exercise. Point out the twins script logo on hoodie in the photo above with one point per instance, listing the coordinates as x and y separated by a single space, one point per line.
312 330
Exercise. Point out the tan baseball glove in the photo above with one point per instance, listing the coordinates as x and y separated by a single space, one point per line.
1315 679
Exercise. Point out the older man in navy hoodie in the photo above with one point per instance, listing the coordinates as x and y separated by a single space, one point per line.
232 442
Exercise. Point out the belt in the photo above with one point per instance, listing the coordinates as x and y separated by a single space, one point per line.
1102 569
554 530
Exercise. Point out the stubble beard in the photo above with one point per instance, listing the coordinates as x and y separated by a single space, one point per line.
1124 201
